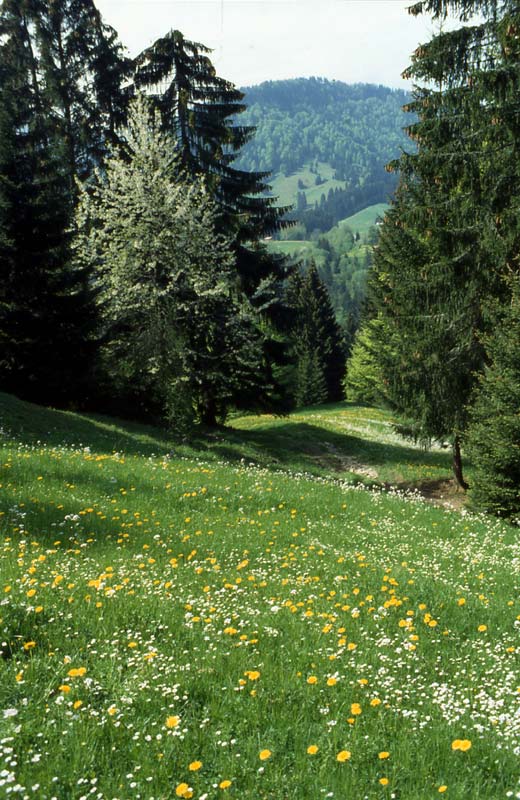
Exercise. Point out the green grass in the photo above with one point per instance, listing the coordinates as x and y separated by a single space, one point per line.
365 219
236 594
285 188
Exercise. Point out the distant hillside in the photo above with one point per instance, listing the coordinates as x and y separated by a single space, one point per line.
326 143
343 257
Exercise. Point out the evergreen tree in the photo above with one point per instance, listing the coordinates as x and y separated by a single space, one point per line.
364 380
200 109
83 68
493 439
60 97
43 325
317 341
453 234
176 331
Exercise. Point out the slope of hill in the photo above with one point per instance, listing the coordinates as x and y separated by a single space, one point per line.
343 256
326 144
176 624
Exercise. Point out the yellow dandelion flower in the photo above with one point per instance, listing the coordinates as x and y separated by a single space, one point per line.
78 704
224 784
252 674
332 681
183 790
172 722
64 688
482 628
312 679
77 672
343 755
194 766
384 781
29 645
375 702
312 749
461 744
355 709
460 602
264 755
112 711
384 754
442 789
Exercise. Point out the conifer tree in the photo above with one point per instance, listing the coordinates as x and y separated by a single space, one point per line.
200 110
81 62
364 380
493 439
42 307
451 239
317 340
60 74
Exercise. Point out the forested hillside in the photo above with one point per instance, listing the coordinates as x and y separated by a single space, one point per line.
339 136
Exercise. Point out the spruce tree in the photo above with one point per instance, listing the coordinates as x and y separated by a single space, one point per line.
493 439
83 67
60 74
200 109
317 341
452 237
364 380
42 309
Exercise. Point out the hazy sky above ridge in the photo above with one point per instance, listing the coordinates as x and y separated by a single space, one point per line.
367 41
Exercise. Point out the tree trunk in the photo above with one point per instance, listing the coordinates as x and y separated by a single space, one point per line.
208 412
457 464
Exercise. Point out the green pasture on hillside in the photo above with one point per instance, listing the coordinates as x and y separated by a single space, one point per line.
365 219
285 187
240 616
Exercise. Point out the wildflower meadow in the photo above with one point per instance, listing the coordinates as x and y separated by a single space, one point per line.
175 623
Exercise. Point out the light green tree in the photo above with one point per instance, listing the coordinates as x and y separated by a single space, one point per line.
174 325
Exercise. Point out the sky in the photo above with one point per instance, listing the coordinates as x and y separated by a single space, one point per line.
366 41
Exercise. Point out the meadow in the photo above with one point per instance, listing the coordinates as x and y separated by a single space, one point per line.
252 614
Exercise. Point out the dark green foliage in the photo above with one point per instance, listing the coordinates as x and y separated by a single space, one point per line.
317 341
200 110
83 68
60 100
453 236
44 318
493 439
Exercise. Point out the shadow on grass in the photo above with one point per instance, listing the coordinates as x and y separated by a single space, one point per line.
301 446
292 445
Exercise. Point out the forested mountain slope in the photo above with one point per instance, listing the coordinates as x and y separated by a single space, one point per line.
306 123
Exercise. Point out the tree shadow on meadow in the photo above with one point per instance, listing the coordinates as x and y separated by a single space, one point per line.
300 446
291 445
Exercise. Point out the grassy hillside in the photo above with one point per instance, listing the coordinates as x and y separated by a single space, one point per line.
228 618
365 219
285 187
